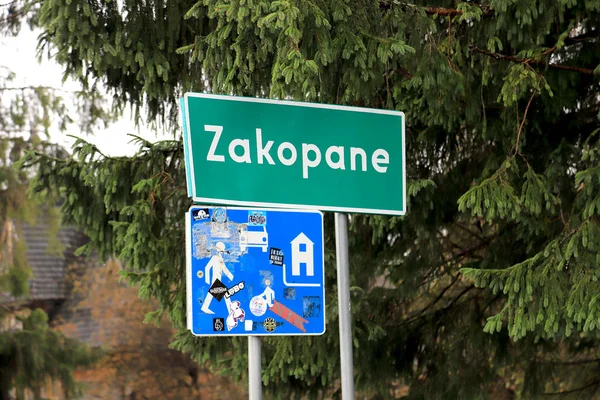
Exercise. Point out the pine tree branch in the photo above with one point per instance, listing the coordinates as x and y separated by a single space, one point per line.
489 303
530 61
422 313
574 362
444 12
452 302
459 256
569 41
13 15
8 310
469 252
454 257
474 234
10 3
450 12
441 11
525 117
8 131
580 38
461 294
24 88
404 72
580 389
440 295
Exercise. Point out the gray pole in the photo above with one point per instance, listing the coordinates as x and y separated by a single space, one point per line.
344 307
254 369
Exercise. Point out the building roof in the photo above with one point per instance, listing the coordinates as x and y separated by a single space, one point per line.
49 269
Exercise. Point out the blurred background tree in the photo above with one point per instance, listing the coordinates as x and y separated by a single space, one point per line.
31 353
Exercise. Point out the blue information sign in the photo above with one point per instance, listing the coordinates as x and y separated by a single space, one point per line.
255 272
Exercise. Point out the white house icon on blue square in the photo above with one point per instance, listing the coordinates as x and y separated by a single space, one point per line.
302 255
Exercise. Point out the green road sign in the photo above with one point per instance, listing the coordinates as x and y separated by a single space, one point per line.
270 153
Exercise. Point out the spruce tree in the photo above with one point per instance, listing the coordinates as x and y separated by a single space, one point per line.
487 287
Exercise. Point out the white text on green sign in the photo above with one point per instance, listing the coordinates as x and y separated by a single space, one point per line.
287 154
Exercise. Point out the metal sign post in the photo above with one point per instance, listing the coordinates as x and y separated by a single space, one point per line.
344 306
254 369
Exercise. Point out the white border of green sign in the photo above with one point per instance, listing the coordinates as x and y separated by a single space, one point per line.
209 200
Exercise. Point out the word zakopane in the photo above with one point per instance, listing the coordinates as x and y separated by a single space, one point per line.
287 153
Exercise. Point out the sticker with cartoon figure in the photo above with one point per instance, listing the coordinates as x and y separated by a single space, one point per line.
259 304
200 214
236 314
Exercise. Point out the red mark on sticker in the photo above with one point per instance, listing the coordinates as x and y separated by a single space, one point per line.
288 315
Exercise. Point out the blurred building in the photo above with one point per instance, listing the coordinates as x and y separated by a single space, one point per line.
85 300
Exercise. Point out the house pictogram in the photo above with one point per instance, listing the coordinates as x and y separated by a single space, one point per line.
302 255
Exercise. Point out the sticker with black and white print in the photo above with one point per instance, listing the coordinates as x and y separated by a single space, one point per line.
218 324
200 214
234 289
276 256
257 218
218 289
269 324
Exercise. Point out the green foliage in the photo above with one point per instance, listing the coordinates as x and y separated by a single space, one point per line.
486 287
14 13
546 293
33 354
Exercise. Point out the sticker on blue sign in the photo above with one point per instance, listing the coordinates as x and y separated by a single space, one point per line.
311 306
200 214
276 256
289 293
257 218
240 282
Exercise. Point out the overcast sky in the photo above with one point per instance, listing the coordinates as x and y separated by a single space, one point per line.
19 55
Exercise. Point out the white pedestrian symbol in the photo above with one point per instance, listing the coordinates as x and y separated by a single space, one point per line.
217 266
268 294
